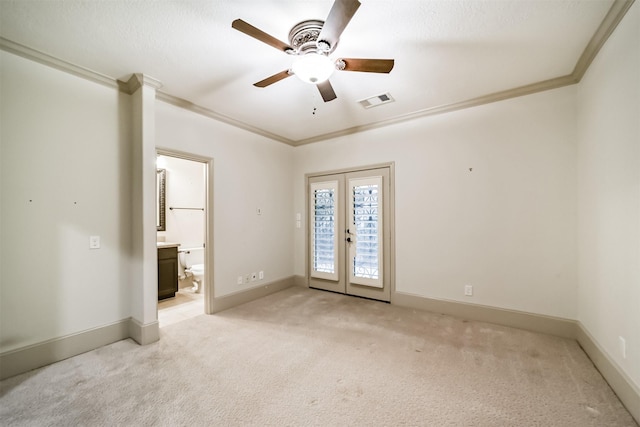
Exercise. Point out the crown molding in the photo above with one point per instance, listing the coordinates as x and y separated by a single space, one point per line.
188 105
610 22
447 108
136 81
613 17
52 61
130 85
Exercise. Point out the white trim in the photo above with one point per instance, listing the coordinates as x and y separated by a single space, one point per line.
388 228
624 387
21 360
194 108
144 334
300 281
242 297
209 285
627 391
368 181
616 13
18 361
53 62
136 81
44 353
500 316
611 20
313 187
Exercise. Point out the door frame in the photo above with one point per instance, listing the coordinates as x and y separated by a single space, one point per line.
392 218
208 282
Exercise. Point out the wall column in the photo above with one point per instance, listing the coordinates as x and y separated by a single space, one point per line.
144 326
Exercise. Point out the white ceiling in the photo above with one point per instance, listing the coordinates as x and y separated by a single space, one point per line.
445 52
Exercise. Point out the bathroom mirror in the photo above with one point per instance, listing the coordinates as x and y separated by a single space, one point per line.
161 176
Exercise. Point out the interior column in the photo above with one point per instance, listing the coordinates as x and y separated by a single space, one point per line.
144 326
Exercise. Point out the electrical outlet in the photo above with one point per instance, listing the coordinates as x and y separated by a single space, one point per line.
254 276
239 280
247 278
623 347
261 275
94 242
468 290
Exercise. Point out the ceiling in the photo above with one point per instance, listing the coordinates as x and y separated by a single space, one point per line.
447 53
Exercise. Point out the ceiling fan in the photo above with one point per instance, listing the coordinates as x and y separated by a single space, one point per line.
312 41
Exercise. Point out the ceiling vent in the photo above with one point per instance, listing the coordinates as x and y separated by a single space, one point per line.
374 101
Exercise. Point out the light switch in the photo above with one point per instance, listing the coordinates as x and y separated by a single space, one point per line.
298 224
298 216
94 242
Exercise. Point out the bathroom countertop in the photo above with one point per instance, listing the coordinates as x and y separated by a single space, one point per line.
167 245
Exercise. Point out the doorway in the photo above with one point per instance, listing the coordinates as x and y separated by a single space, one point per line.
349 229
186 224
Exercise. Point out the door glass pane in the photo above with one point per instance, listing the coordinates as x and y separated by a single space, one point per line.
365 224
324 228
324 238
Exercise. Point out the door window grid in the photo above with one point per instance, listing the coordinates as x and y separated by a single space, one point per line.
365 223
324 231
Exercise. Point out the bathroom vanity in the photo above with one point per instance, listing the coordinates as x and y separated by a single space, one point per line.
167 270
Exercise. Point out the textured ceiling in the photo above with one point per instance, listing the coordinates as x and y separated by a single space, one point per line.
445 52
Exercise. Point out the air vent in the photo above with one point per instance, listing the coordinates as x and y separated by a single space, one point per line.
374 101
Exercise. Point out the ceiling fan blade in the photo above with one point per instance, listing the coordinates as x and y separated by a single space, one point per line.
273 79
339 16
368 65
256 33
326 90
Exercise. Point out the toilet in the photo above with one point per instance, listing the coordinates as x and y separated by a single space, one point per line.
195 271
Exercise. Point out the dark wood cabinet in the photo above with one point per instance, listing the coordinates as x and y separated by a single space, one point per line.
167 272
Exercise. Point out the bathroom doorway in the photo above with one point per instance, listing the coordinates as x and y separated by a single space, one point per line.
182 232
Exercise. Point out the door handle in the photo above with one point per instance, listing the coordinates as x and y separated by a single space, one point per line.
348 239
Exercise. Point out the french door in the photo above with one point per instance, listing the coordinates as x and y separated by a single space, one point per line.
349 233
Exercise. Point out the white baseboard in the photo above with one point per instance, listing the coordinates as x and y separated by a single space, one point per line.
144 334
300 281
34 356
237 298
625 389
24 359
516 319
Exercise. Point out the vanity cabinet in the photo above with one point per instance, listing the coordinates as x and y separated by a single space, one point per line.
167 272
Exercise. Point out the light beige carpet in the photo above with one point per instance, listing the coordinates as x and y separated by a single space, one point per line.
305 357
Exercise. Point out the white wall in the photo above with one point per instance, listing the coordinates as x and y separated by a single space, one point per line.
508 227
548 220
65 167
249 172
609 195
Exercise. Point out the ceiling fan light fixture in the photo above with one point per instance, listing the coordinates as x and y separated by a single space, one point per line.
311 42
313 68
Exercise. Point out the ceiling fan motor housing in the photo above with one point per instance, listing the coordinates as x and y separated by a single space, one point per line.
303 37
